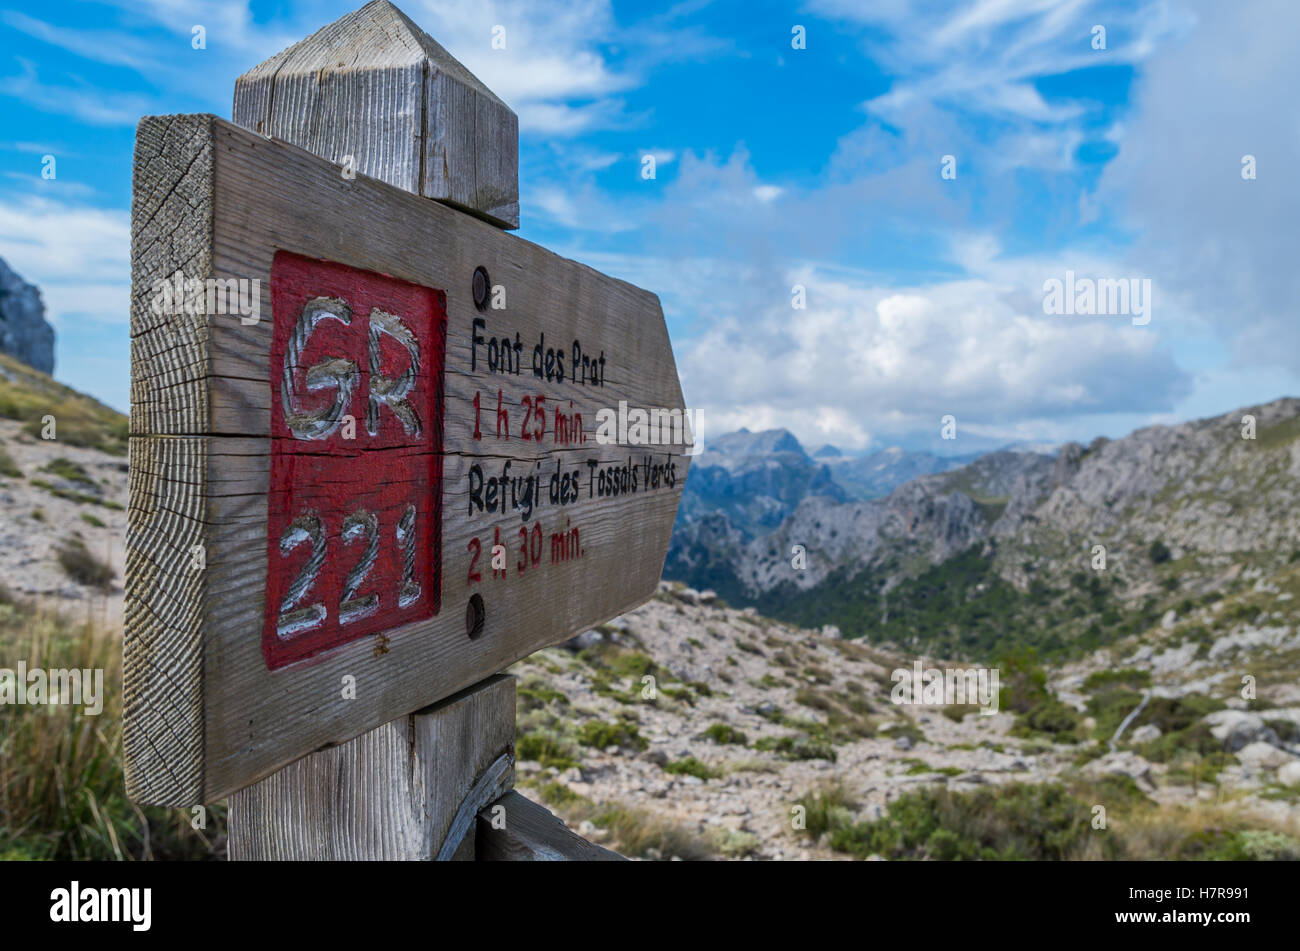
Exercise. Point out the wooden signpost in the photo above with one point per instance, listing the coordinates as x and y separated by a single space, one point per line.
368 465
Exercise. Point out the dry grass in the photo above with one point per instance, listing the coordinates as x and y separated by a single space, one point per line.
29 396
8 468
1206 830
636 833
1049 822
62 794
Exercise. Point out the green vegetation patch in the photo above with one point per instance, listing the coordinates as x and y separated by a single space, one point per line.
8 467
62 791
1014 821
690 766
29 396
622 733
725 734
83 567
797 747
545 748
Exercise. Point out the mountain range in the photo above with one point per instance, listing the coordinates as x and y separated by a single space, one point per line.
1063 550
1183 639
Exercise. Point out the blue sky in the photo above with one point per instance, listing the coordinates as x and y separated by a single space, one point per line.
778 166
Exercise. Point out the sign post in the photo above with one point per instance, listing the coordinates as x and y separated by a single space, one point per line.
380 451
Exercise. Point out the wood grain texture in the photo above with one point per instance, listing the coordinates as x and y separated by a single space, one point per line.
532 834
374 86
193 639
171 231
408 790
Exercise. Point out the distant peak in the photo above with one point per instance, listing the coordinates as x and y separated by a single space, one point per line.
743 442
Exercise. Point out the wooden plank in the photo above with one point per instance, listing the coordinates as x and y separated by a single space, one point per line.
377 88
408 790
208 710
171 230
531 834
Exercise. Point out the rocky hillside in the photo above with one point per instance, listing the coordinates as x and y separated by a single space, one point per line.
694 729
25 335
690 729
1086 546
63 493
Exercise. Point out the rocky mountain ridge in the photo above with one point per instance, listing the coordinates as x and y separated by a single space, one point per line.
1168 512
25 334
754 480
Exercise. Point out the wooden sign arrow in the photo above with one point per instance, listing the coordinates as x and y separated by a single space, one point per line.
380 450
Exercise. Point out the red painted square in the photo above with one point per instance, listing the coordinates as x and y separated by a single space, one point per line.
354 535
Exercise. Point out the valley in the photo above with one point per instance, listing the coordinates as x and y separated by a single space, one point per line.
750 714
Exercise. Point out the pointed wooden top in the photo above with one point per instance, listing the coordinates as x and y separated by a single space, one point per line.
378 95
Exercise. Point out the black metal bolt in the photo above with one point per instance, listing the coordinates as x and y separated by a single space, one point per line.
475 616
481 287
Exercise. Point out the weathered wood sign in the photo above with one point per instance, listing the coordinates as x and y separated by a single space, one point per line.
367 465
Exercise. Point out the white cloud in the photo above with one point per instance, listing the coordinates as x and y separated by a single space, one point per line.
180 15
867 358
553 71
79 256
1226 247
983 59
661 156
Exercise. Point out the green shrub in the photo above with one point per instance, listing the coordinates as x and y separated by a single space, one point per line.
622 662
1174 716
797 747
599 734
8 467
1050 718
1241 845
83 567
559 795
901 728
812 699
1015 821
81 498
70 471
827 808
545 748
725 734
690 766
1022 682
1129 677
